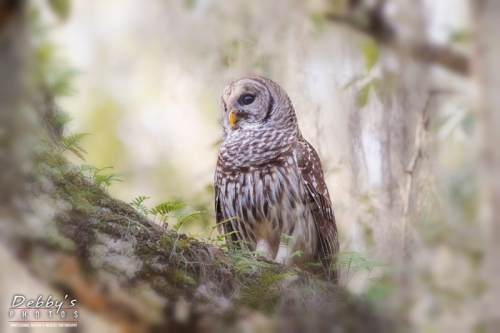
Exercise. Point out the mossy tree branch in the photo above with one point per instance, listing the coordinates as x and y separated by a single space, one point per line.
112 260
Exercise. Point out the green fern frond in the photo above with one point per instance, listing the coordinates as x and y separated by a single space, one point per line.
222 236
62 84
107 180
71 143
186 216
137 203
139 200
61 118
297 253
166 208
181 218
223 222
354 261
78 151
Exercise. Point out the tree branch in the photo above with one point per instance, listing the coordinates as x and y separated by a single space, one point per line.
371 22
108 257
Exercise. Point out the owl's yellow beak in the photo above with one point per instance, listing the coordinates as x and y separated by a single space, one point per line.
233 118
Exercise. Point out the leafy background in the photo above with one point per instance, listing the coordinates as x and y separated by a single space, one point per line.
137 85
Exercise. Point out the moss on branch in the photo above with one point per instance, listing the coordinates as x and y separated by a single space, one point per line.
114 261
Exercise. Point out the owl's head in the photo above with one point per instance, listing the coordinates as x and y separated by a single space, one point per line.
256 102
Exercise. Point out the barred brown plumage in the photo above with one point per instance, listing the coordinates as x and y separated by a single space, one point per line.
269 181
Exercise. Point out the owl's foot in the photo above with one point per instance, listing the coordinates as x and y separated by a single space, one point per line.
263 249
284 255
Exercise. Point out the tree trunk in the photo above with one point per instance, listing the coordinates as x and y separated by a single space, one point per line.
487 61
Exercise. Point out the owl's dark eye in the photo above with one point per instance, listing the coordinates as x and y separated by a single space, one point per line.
247 99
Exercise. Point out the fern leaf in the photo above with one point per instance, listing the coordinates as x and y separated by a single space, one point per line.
61 118
137 203
71 143
139 200
62 84
166 208
186 216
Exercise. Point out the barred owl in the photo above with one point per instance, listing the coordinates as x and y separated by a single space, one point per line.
270 193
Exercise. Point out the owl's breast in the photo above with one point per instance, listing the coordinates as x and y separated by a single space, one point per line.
250 150
268 200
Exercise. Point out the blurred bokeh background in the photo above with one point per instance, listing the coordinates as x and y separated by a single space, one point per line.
387 92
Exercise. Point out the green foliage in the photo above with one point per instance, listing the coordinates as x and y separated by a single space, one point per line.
371 54
370 82
353 81
220 239
318 21
286 239
62 84
297 253
190 4
61 8
60 118
101 180
107 180
166 210
363 94
380 288
355 261
183 217
460 36
72 143
137 203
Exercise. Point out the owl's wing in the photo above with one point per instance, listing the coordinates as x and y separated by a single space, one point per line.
226 227
321 206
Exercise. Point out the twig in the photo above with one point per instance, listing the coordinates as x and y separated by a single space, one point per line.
420 130
422 125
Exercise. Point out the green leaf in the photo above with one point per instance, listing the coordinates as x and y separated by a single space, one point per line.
61 8
86 167
222 236
382 288
286 239
62 84
354 261
460 36
364 94
78 151
97 170
223 222
106 180
45 52
186 216
297 253
377 87
352 81
71 143
181 218
166 207
371 53
137 203
318 22
61 118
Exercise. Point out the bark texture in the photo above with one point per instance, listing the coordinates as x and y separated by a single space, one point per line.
486 61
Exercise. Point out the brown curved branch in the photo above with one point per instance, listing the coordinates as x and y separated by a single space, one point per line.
371 22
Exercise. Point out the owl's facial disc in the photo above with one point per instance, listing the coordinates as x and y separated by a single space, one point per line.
245 102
